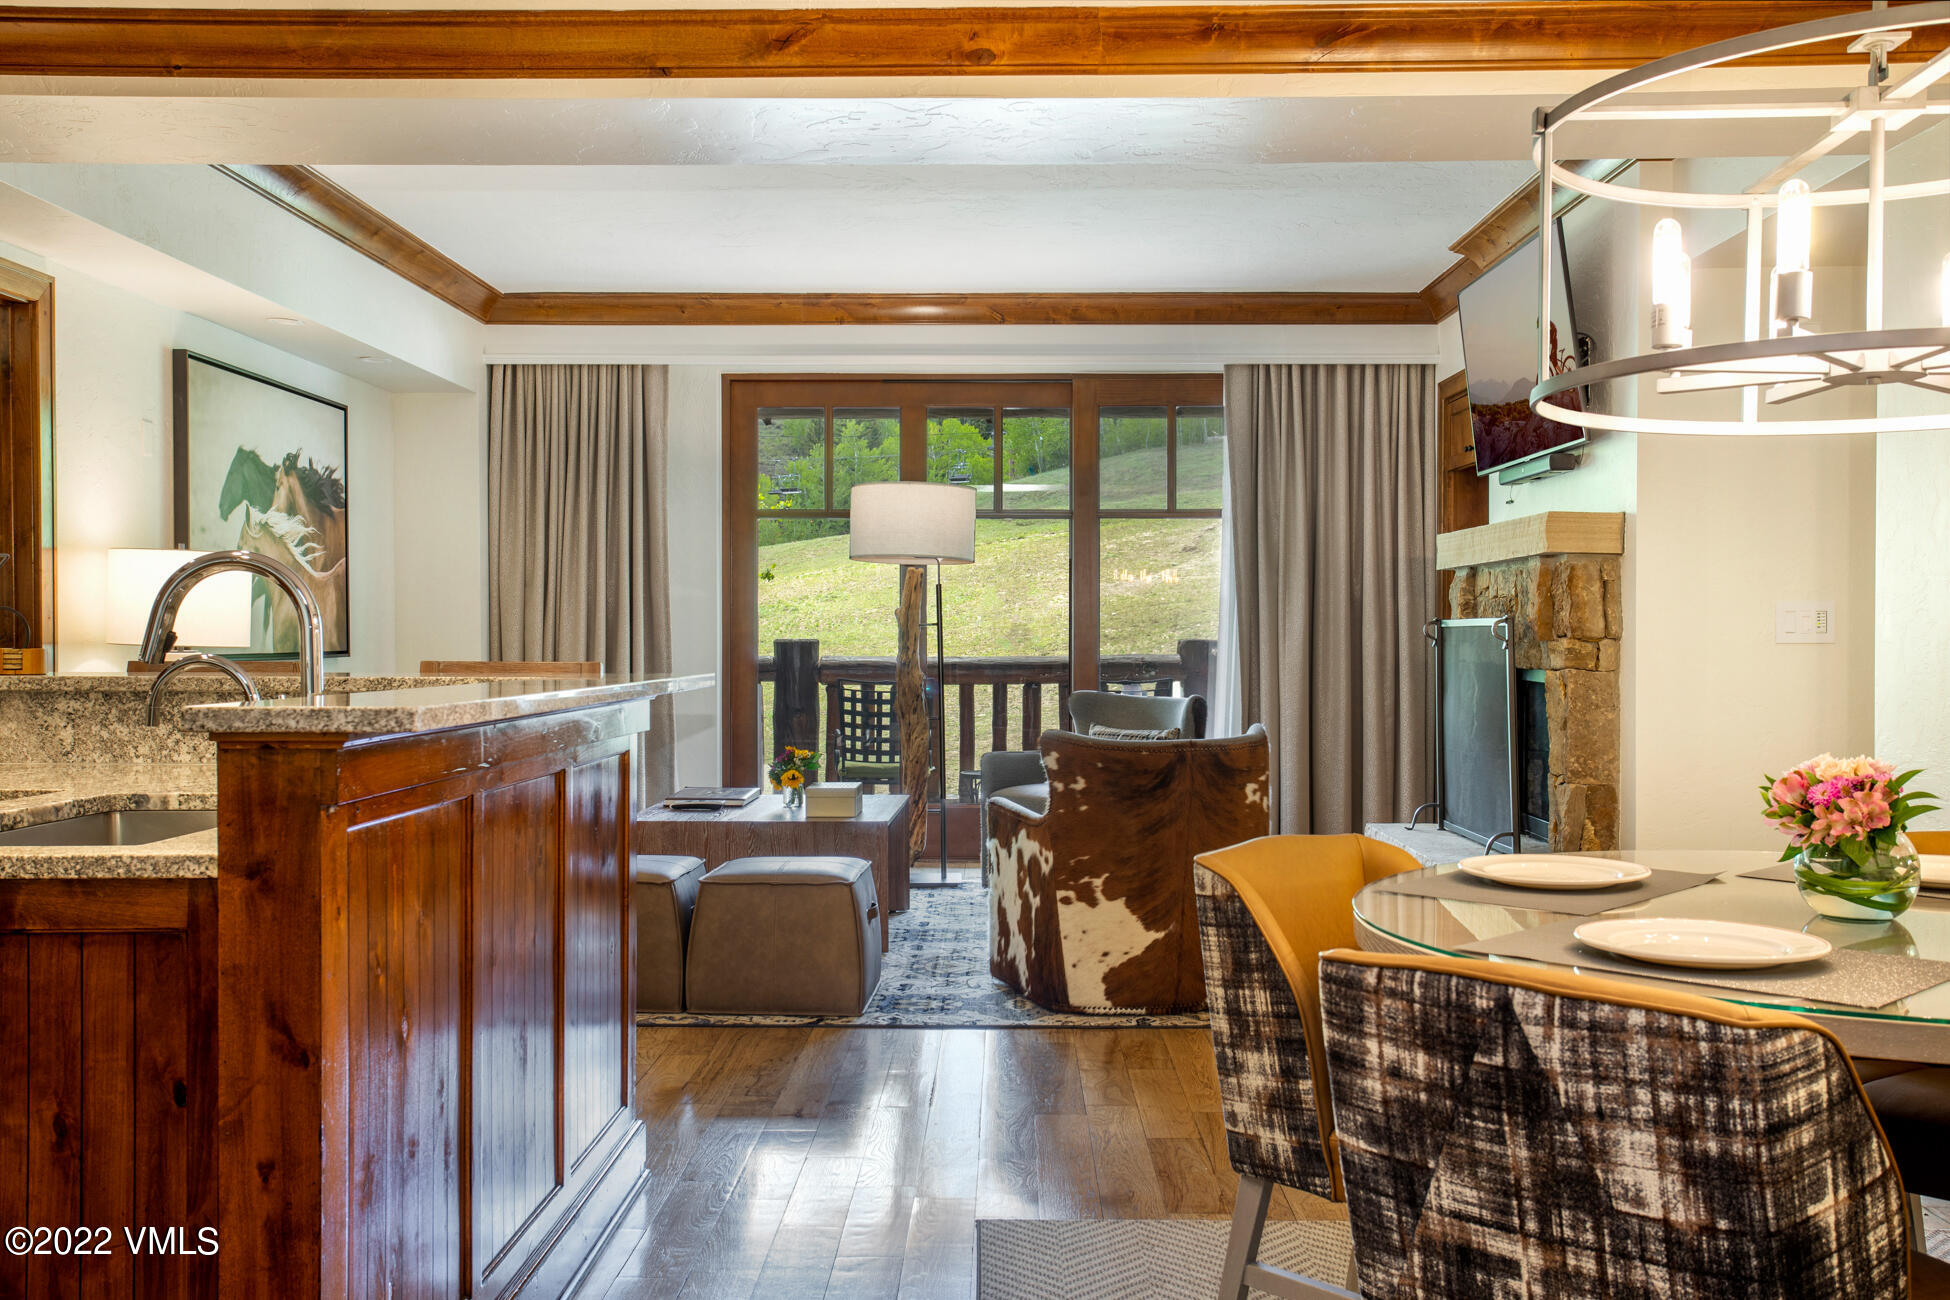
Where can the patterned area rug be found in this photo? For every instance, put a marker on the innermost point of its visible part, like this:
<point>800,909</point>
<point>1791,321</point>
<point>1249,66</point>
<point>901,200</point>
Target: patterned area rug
<point>1139,1259</point>
<point>935,975</point>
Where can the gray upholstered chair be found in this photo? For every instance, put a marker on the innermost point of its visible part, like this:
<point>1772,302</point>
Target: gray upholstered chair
<point>1511,1130</point>
<point>1092,907</point>
<point>1017,775</point>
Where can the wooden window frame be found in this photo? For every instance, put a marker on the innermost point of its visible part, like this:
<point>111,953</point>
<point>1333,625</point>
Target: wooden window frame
<point>27,462</point>
<point>743,395</point>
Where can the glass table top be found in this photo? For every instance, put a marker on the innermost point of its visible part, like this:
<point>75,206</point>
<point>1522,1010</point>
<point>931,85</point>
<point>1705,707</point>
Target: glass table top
<point>1444,925</point>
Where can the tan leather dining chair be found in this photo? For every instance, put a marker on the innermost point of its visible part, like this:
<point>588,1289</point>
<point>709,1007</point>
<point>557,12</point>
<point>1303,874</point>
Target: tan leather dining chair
<point>1507,1129</point>
<point>1267,909</point>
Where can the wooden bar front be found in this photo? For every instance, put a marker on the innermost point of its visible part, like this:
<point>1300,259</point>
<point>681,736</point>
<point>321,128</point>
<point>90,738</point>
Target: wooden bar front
<point>425,1008</point>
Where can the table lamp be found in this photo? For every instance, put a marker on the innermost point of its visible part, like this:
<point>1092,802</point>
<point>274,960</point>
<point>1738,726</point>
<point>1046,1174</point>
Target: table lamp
<point>920,524</point>
<point>216,613</point>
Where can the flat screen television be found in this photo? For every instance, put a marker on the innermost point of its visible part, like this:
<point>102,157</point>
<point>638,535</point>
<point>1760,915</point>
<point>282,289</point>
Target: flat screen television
<point>1499,336</point>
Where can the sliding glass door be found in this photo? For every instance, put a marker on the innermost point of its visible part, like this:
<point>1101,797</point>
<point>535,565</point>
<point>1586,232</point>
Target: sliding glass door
<point>1096,556</point>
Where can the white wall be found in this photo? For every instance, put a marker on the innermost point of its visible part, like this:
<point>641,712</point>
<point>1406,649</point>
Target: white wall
<point>1912,635</point>
<point>112,456</point>
<point>440,527</point>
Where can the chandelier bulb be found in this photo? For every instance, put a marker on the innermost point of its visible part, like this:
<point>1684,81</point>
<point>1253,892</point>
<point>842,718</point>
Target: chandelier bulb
<point>1794,280</point>
<point>1672,288</point>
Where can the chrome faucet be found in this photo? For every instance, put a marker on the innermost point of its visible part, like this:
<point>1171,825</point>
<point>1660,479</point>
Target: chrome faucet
<point>311,624</point>
<point>221,664</point>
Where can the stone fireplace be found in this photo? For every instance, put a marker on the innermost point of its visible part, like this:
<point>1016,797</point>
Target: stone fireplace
<point>1567,612</point>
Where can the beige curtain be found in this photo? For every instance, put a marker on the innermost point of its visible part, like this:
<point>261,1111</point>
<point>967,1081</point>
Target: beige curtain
<point>1331,520</point>
<point>578,557</point>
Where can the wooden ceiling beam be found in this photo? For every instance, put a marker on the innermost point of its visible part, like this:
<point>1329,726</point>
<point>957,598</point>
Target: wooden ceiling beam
<point>1410,36</point>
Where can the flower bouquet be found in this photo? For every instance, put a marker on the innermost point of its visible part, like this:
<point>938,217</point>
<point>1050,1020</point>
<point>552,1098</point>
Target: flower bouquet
<point>790,772</point>
<point>1844,819</point>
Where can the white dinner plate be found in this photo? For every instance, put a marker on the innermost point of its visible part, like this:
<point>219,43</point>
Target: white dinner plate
<point>1708,945</point>
<point>1936,870</point>
<point>1562,871</point>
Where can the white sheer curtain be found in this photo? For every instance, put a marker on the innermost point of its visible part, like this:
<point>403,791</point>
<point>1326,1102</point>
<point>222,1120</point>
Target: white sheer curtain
<point>1227,716</point>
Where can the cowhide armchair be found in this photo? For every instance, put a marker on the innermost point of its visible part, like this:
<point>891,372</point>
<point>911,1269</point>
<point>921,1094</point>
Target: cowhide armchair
<point>1018,774</point>
<point>1092,908</point>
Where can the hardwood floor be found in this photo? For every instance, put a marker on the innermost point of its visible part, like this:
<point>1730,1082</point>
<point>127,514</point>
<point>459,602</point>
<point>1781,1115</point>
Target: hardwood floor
<point>795,1162</point>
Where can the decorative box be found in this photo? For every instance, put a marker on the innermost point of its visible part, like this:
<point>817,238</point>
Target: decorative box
<point>833,799</point>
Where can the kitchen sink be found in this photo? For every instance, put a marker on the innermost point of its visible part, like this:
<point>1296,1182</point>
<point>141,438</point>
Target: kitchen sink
<point>142,827</point>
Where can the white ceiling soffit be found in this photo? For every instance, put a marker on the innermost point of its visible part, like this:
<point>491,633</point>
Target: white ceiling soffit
<point>1323,227</point>
<point>381,130</point>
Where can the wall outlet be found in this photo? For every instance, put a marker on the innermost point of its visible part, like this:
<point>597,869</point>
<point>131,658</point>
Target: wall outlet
<point>1804,623</point>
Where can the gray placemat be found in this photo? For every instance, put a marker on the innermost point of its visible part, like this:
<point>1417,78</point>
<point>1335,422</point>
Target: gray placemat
<point>1785,871</point>
<point>1571,902</point>
<point>1844,976</point>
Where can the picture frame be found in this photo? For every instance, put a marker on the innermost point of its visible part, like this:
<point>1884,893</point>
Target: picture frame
<point>260,465</point>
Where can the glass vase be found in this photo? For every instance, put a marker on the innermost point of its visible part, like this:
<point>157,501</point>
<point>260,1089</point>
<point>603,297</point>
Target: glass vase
<point>1834,885</point>
<point>795,797</point>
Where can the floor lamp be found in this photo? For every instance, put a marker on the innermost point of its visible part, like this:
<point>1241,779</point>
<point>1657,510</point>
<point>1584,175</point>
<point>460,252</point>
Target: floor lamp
<point>919,524</point>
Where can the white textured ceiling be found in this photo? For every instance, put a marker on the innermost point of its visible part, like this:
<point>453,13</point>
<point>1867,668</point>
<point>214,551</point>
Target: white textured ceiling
<point>921,228</point>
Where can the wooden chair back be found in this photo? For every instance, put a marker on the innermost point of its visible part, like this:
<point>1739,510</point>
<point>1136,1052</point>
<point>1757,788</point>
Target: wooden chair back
<point>511,668</point>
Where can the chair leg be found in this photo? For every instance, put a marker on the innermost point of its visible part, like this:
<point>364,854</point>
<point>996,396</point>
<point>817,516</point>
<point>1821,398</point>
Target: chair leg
<point>1248,1222</point>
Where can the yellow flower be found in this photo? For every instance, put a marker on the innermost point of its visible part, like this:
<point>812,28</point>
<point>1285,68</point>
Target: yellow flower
<point>802,753</point>
<point>775,787</point>
<point>793,778</point>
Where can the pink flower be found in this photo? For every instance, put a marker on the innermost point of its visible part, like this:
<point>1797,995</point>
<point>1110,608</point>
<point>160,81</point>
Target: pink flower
<point>1789,789</point>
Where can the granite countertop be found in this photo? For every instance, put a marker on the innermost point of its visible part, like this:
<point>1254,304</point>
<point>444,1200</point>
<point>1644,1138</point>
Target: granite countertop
<point>32,793</point>
<point>206,682</point>
<point>419,708</point>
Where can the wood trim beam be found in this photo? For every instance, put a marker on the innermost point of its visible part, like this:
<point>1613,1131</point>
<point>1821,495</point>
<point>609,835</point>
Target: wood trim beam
<point>352,221</point>
<point>1412,36</point>
<point>961,309</point>
<point>1508,224</point>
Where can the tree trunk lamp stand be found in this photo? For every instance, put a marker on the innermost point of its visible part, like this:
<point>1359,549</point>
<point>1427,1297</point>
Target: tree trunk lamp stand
<point>918,524</point>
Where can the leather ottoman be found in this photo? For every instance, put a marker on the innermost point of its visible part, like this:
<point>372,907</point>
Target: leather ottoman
<point>785,936</point>
<point>663,893</point>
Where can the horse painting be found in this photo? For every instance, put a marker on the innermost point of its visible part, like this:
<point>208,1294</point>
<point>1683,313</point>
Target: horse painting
<point>294,512</point>
<point>292,542</point>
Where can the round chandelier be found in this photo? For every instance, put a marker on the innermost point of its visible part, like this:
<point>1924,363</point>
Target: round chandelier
<point>1782,356</point>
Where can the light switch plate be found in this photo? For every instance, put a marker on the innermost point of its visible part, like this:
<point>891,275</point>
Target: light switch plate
<point>1804,623</point>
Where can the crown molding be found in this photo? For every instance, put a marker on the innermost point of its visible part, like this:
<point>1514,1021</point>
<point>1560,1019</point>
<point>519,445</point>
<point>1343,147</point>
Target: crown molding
<point>312,198</point>
<point>1130,40</point>
<point>960,309</point>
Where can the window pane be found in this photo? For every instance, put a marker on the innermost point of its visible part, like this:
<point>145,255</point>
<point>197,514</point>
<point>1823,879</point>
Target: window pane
<point>791,459</point>
<point>961,449</point>
<point>1011,609</point>
<point>866,449</point>
<point>1201,456</point>
<point>807,587</point>
<point>1131,445</point>
<point>1158,585</point>
<point>1035,460</point>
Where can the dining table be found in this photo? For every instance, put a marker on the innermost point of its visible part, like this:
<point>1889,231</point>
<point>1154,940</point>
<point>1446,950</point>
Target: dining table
<point>1389,917</point>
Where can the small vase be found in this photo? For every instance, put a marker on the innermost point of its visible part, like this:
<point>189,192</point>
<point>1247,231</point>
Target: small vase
<point>795,797</point>
<point>1833,885</point>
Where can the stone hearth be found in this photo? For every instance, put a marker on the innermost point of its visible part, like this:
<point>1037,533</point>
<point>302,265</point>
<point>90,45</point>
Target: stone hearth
<point>1568,615</point>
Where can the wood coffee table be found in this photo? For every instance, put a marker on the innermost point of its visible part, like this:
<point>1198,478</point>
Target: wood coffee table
<point>767,828</point>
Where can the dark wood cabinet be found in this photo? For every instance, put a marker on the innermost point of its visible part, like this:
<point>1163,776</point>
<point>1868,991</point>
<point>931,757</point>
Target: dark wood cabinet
<point>428,975</point>
<point>107,1030</point>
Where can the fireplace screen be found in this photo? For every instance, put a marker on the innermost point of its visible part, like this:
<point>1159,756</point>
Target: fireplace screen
<point>1477,684</point>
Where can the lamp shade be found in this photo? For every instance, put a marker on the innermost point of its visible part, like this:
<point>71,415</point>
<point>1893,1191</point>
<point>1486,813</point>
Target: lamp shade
<point>217,612</point>
<point>912,523</point>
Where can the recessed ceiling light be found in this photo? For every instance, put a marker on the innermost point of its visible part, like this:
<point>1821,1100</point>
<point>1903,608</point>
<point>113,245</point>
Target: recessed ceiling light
<point>289,322</point>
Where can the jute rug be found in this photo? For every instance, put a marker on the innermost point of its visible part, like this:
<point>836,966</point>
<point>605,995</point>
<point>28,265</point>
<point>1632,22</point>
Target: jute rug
<point>1139,1259</point>
<point>935,975</point>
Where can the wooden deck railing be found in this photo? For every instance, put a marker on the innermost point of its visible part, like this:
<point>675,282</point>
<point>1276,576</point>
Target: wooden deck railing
<point>1015,690</point>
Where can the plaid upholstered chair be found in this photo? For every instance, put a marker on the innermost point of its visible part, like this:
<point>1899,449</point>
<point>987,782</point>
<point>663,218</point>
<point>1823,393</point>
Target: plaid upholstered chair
<point>1514,1131</point>
<point>1267,909</point>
